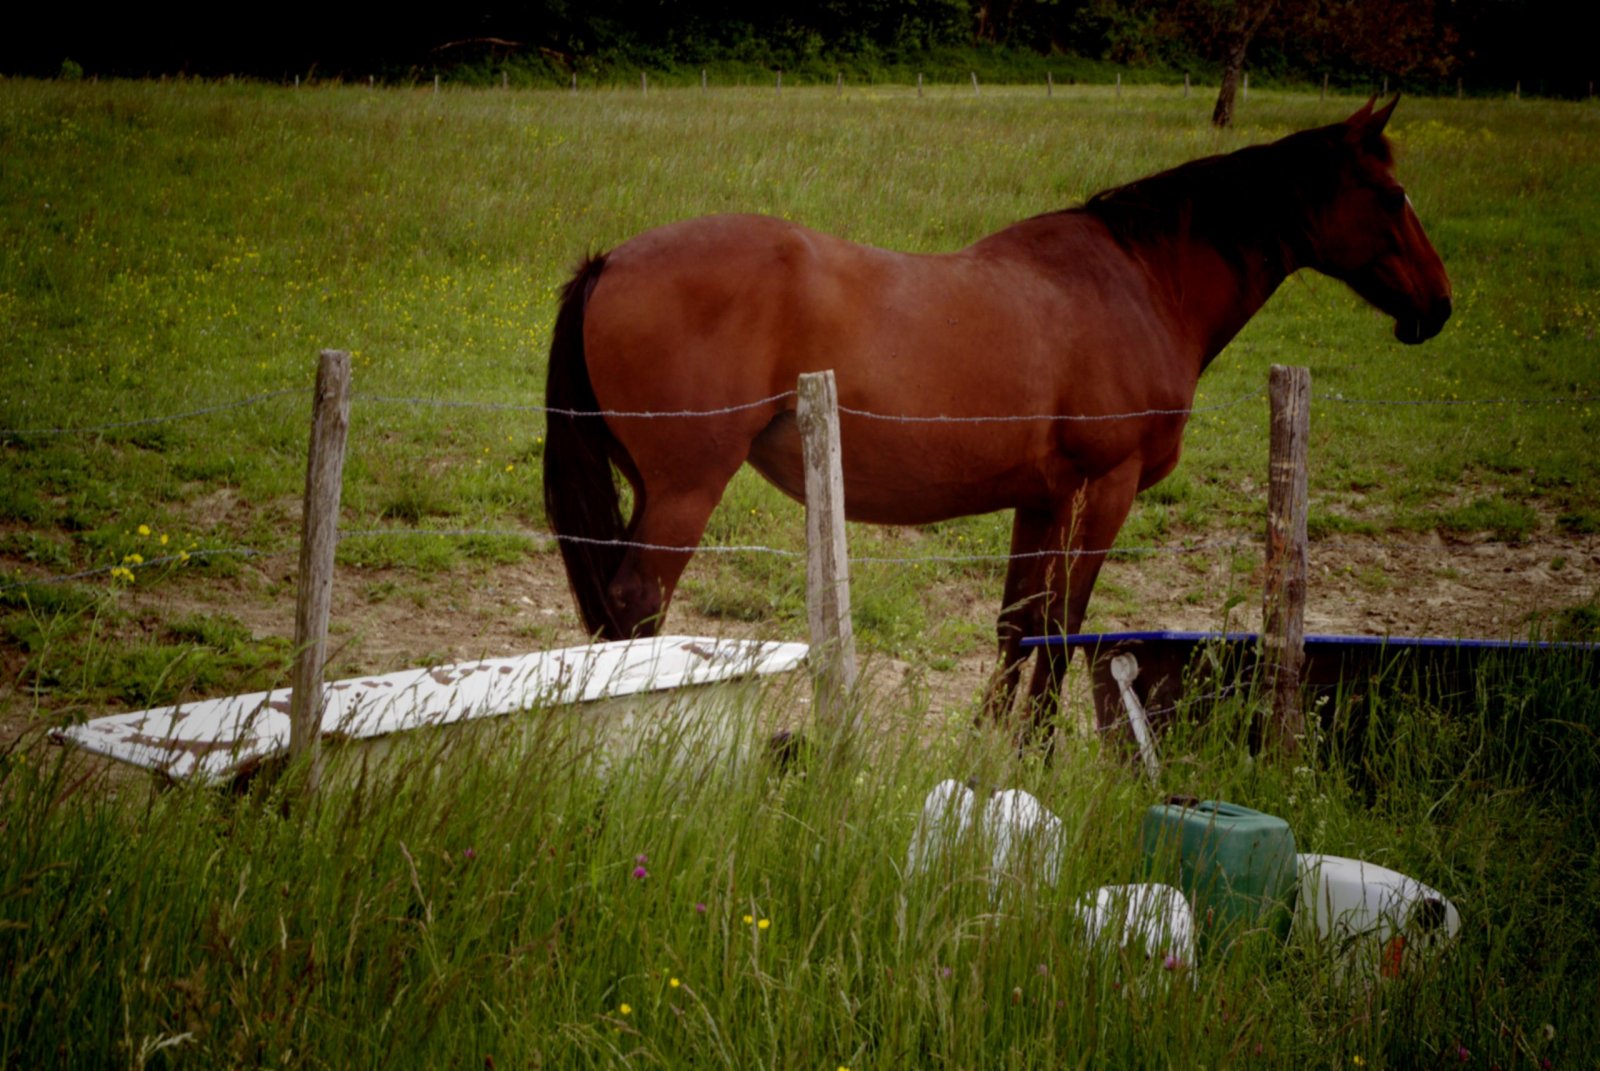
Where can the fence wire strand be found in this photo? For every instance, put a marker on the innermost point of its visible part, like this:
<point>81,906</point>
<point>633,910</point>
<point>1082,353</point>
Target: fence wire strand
<point>714,548</point>
<point>867,414</point>
<point>955,559</point>
<point>1071,418</point>
<point>1446,402</point>
<point>660,414</point>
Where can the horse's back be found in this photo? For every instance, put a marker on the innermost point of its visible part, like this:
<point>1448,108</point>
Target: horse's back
<point>721,311</point>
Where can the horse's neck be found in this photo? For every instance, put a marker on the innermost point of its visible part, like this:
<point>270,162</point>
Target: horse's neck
<point>1211,295</point>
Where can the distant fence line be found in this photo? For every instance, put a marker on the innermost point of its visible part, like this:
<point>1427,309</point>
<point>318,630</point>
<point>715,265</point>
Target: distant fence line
<point>956,84</point>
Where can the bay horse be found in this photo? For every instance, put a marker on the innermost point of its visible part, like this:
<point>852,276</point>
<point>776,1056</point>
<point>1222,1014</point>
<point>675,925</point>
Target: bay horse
<point>674,359</point>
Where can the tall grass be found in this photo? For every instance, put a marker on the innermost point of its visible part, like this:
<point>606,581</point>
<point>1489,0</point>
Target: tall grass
<point>525,898</point>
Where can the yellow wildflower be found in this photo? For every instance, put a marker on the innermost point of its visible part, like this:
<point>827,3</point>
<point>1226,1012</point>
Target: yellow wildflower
<point>144,529</point>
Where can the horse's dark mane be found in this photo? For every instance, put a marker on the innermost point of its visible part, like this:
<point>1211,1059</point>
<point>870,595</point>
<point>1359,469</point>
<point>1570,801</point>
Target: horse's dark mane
<point>1256,201</point>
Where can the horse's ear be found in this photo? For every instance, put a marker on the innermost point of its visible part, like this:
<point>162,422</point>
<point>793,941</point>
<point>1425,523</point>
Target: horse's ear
<point>1366,126</point>
<point>1380,118</point>
<point>1359,119</point>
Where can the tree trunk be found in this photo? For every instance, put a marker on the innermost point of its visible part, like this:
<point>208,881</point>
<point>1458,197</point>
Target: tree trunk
<point>1232,67</point>
<point>1247,19</point>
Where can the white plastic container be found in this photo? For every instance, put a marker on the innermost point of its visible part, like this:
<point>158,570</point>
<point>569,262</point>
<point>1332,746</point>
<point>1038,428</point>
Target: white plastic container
<point>1377,919</point>
<point>1155,919</point>
<point>1023,837</point>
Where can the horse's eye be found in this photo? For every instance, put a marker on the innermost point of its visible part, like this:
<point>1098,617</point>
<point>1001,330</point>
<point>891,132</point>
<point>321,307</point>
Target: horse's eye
<point>1393,198</point>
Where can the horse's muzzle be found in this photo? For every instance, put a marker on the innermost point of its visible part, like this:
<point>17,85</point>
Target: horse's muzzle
<point>1414,329</point>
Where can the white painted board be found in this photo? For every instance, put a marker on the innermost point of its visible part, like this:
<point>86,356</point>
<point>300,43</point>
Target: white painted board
<point>212,738</point>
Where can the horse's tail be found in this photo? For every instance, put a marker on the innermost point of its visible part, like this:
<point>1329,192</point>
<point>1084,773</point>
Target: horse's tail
<point>580,494</point>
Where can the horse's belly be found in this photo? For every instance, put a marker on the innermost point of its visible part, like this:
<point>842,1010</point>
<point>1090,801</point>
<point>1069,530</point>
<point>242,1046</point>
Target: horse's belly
<point>899,479</point>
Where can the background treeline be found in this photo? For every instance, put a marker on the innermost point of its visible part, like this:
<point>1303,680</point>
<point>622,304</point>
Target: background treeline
<point>1490,45</point>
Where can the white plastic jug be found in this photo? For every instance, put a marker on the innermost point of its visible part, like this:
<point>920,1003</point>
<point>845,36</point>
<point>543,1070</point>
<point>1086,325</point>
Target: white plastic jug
<point>1023,836</point>
<point>1375,917</point>
<point>1156,918</point>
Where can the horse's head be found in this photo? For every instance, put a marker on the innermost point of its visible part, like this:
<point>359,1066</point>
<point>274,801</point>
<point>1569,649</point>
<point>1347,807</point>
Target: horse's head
<point>1368,236</point>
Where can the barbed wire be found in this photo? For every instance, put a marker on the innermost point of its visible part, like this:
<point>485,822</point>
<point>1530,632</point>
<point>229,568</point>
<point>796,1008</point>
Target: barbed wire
<point>713,548</point>
<point>630,414</point>
<point>1341,399</point>
<point>634,414</point>
<point>550,539</point>
<point>95,429</point>
<point>1087,418</point>
<point>868,414</point>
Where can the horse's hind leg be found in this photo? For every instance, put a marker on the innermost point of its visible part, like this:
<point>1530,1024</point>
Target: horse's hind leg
<point>667,524</point>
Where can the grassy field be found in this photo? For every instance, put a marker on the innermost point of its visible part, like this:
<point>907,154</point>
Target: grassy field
<point>174,248</point>
<point>171,248</point>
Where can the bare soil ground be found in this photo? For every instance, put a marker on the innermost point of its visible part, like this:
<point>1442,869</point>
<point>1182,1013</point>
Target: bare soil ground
<point>388,619</point>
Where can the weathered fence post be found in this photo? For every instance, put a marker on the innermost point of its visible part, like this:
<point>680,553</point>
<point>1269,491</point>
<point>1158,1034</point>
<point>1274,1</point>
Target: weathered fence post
<point>833,642</point>
<point>974,83</point>
<point>1185,83</point>
<point>1049,85</point>
<point>1284,602</point>
<point>319,534</point>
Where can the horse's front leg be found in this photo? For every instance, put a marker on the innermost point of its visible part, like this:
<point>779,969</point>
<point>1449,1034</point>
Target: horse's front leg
<point>1086,526</point>
<point>1021,612</point>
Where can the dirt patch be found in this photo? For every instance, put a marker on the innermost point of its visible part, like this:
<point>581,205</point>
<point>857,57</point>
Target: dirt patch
<point>385,619</point>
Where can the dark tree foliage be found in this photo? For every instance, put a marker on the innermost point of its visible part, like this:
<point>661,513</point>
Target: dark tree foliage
<point>1488,43</point>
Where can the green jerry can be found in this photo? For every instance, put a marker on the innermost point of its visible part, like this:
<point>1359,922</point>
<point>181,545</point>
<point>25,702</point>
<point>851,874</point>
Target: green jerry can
<point>1236,865</point>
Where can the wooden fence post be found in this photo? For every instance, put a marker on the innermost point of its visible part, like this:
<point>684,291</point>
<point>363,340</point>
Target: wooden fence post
<point>833,642</point>
<point>1284,602</point>
<point>319,534</point>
